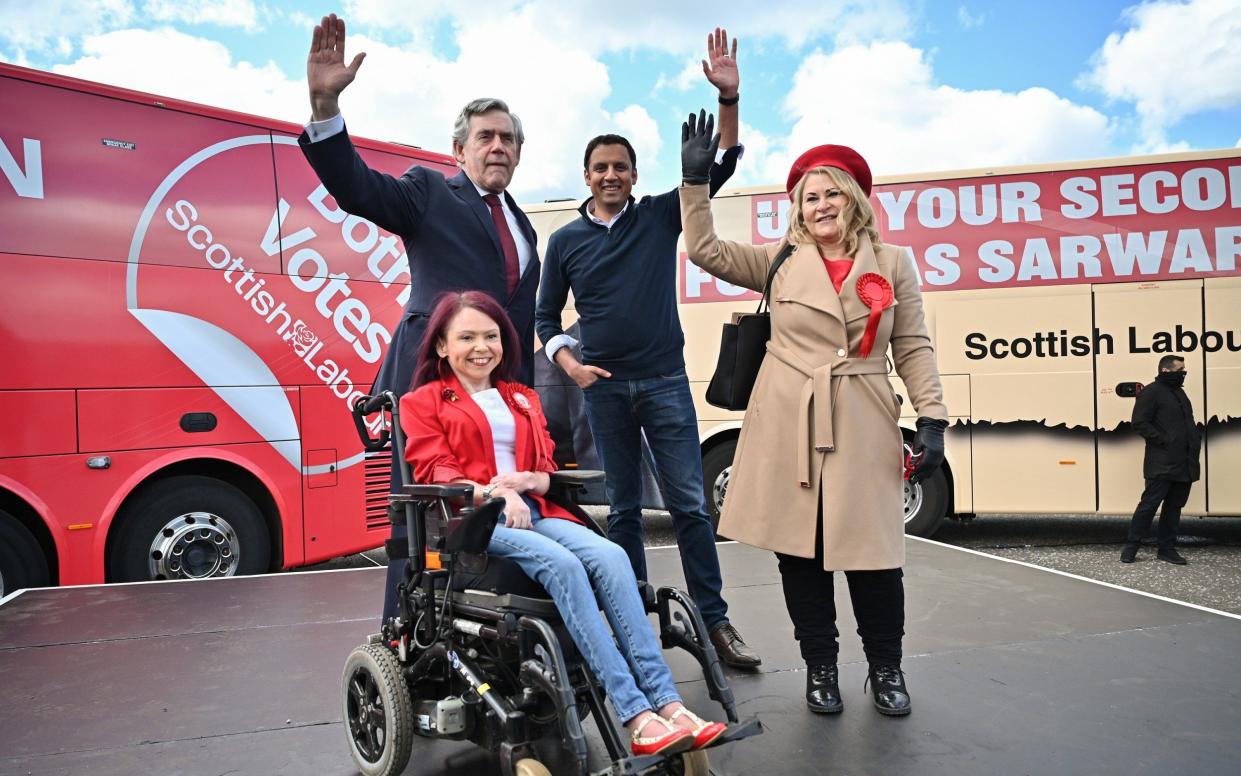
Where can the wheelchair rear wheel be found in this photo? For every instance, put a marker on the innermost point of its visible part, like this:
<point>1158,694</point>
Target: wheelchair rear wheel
<point>378,711</point>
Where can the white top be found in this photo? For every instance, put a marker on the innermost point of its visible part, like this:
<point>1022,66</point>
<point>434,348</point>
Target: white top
<point>322,130</point>
<point>503,428</point>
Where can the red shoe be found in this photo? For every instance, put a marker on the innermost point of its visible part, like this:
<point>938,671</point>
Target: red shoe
<point>704,732</point>
<point>673,741</point>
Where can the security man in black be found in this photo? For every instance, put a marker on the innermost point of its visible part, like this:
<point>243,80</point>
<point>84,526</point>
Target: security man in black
<point>1164,417</point>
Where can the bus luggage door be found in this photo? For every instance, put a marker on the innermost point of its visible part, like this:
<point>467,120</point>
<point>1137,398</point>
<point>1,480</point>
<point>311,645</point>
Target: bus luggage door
<point>1142,321</point>
<point>1221,460</point>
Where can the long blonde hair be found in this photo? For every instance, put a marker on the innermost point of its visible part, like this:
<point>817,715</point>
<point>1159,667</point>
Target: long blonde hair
<point>854,218</point>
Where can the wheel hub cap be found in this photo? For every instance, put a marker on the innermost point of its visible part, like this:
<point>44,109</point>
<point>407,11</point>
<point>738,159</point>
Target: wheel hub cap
<point>913,500</point>
<point>195,545</point>
<point>366,715</point>
<point>719,488</point>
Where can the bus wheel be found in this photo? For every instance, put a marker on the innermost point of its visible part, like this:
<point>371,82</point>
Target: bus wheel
<point>717,464</point>
<point>926,505</point>
<point>22,563</point>
<point>189,527</point>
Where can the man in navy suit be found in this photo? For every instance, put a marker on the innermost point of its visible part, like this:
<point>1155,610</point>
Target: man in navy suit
<point>460,233</point>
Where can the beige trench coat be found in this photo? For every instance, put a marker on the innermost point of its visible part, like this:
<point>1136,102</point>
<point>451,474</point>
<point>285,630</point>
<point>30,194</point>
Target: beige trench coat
<point>818,414</point>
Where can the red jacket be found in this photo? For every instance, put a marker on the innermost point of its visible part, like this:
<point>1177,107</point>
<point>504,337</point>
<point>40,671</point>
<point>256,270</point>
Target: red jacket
<point>447,436</point>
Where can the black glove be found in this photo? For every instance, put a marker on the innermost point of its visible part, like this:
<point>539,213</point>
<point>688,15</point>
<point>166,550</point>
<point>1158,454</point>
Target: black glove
<point>929,441</point>
<point>698,148</point>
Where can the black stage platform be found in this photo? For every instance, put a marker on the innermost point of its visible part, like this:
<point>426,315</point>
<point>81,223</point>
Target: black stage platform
<point>1013,670</point>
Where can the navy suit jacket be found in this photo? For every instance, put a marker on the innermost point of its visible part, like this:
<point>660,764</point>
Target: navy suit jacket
<point>450,239</point>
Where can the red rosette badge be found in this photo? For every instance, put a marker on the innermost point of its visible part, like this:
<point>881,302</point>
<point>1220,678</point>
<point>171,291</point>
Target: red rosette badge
<point>518,400</point>
<point>876,293</point>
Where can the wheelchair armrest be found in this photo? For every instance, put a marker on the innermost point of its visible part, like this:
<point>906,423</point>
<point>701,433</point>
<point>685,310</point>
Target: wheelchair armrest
<point>433,492</point>
<point>471,532</point>
<point>575,478</point>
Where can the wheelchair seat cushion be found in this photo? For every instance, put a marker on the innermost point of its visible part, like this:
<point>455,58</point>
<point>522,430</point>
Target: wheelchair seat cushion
<point>502,575</point>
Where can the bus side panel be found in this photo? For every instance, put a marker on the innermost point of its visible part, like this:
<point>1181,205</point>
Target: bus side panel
<point>98,162</point>
<point>1144,320</point>
<point>341,517</point>
<point>1222,460</point>
<point>37,423</point>
<point>66,322</point>
<point>143,418</point>
<point>1029,404</point>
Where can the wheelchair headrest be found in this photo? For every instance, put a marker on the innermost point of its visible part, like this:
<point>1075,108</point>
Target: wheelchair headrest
<point>472,531</point>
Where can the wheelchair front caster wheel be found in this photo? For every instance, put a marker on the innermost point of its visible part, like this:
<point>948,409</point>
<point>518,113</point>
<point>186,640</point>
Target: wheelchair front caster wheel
<point>530,767</point>
<point>378,712</point>
<point>693,764</point>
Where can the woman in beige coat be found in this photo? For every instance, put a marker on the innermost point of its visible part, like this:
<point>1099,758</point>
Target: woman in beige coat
<point>817,475</point>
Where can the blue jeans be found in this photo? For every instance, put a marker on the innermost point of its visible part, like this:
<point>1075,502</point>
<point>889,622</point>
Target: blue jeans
<point>583,573</point>
<point>619,412</point>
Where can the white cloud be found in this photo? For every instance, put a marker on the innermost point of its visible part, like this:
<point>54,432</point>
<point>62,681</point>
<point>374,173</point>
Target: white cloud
<point>53,25</point>
<point>654,24</point>
<point>205,73</point>
<point>968,20</point>
<point>224,13</point>
<point>640,130</point>
<point>1177,58</point>
<point>689,77</point>
<point>902,121</point>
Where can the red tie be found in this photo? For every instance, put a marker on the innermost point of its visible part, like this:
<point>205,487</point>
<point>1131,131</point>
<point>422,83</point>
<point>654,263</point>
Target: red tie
<point>512,269</point>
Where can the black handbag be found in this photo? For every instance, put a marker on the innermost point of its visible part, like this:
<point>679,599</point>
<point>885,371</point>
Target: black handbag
<point>743,343</point>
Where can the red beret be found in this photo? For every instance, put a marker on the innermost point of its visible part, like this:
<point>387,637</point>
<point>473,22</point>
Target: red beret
<point>838,156</point>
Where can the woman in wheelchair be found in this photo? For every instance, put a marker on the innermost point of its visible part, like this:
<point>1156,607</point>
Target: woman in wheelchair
<point>467,421</point>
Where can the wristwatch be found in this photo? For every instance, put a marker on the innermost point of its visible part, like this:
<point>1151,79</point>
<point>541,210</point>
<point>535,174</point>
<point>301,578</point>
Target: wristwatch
<point>487,492</point>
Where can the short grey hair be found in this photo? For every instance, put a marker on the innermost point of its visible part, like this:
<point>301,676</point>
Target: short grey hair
<point>461,129</point>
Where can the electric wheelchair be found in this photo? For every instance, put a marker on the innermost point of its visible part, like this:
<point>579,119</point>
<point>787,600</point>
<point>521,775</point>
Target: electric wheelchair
<point>478,652</point>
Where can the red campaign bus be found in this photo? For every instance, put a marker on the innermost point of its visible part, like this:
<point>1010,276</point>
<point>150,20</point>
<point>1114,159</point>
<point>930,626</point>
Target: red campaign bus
<point>186,317</point>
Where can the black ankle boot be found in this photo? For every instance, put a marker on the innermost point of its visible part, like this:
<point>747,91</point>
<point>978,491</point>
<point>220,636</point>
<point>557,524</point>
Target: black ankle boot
<point>822,690</point>
<point>887,684</point>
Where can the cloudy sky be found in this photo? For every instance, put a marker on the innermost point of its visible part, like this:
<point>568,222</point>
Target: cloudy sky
<point>914,85</point>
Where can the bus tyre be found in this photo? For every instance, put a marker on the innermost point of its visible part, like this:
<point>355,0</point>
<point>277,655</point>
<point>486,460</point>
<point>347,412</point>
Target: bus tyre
<point>926,505</point>
<point>22,563</point>
<point>717,464</point>
<point>378,711</point>
<point>189,527</point>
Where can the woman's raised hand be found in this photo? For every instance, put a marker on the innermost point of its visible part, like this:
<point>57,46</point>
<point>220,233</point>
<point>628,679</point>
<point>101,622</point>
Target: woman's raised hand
<point>698,147</point>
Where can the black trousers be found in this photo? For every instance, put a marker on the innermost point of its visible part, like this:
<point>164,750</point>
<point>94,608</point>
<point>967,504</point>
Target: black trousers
<point>1173,495</point>
<point>878,599</point>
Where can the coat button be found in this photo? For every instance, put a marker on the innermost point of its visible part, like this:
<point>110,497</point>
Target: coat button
<point>841,352</point>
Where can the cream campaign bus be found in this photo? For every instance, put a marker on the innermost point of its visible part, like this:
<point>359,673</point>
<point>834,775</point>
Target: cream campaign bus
<point>1051,292</point>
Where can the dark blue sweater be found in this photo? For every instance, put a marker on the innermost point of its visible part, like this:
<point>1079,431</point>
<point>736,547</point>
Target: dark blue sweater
<point>624,283</point>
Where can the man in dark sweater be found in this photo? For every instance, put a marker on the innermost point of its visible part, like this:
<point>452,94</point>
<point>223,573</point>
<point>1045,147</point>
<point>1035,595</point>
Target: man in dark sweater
<point>1164,417</point>
<point>619,260</point>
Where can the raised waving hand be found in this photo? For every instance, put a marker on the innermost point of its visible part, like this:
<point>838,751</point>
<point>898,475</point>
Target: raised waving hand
<point>720,66</point>
<point>327,75</point>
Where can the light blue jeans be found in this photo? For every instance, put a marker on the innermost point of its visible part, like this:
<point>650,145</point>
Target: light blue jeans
<point>583,573</point>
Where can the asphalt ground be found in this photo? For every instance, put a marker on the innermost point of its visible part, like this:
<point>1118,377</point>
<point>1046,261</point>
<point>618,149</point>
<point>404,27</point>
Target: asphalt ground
<point>1086,545</point>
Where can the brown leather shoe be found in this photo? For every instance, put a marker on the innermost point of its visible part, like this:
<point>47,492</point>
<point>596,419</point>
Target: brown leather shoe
<point>732,648</point>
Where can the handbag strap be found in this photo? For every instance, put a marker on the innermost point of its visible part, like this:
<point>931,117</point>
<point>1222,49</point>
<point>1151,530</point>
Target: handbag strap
<point>771,274</point>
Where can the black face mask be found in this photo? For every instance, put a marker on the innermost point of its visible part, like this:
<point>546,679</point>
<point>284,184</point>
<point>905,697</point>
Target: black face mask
<point>1172,379</point>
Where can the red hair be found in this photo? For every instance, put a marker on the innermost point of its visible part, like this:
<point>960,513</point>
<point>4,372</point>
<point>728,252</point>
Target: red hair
<point>431,367</point>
